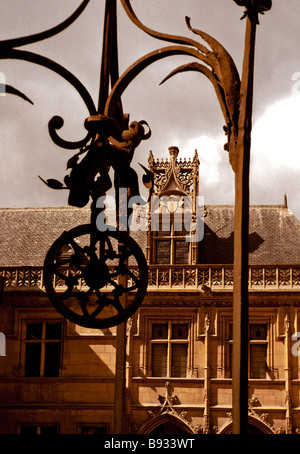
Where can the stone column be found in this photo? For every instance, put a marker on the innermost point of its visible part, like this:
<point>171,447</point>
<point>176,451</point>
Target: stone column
<point>207,376</point>
<point>288,390</point>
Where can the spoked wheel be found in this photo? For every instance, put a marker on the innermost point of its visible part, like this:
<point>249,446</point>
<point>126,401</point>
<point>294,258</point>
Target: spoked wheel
<point>87,276</point>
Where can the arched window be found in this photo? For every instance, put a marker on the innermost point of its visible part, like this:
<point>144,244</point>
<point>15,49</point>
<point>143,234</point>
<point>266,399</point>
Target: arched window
<point>255,426</point>
<point>166,424</point>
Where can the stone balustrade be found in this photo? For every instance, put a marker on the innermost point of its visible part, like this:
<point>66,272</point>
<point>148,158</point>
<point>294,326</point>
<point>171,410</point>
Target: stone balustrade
<point>216,277</point>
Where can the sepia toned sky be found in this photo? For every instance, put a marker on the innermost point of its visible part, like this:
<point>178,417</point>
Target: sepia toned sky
<point>183,112</point>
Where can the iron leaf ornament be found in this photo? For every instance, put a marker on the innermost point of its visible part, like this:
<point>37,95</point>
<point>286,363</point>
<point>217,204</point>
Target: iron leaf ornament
<point>4,88</point>
<point>9,49</point>
<point>259,5</point>
<point>216,64</point>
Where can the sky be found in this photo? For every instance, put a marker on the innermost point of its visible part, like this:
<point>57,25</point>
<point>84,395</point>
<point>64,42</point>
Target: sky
<point>182,112</point>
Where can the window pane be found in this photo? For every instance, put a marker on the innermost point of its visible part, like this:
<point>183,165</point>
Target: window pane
<point>163,233</point>
<point>52,359</point>
<point>28,430</point>
<point>179,331</point>
<point>180,228</point>
<point>160,228</point>
<point>34,331</point>
<point>159,360</point>
<point>182,251</point>
<point>164,229</point>
<point>32,359</point>
<point>53,331</point>
<point>94,430</point>
<point>163,249</point>
<point>48,430</point>
<point>160,331</point>
<point>258,361</point>
<point>230,350</point>
<point>179,360</point>
<point>258,332</point>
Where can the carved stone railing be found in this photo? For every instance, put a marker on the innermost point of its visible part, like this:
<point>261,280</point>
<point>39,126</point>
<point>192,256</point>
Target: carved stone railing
<point>221,276</point>
<point>21,277</point>
<point>216,277</point>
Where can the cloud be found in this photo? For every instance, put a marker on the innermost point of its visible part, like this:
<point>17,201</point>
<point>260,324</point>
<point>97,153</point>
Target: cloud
<point>216,178</point>
<point>209,150</point>
<point>276,136</point>
<point>275,161</point>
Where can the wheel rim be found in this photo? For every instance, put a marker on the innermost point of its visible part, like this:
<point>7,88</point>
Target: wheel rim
<point>86,276</point>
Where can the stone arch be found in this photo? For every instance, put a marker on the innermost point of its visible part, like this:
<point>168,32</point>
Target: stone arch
<point>166,424</point>
<point>256,426</point>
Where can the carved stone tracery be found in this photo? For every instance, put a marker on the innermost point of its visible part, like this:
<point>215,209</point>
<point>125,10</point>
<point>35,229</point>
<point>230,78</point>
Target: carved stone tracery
<point>166,408</point>
<point>175,175</point>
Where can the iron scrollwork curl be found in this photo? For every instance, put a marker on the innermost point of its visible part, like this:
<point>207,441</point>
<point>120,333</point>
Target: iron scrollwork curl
<point>8,51</point>
<point>111,141</point>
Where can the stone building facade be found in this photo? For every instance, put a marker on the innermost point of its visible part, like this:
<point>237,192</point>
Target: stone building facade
<point>59,377</point>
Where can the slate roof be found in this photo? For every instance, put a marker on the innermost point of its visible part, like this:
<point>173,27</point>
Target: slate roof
<point>27,233</point>
<point>274,234</point>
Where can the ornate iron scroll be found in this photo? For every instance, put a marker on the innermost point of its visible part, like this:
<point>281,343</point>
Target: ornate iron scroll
<point>83,253</point>
<point>111,142</point>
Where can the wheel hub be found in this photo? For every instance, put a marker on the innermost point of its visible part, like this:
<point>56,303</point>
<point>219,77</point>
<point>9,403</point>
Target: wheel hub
<point>96,274</point>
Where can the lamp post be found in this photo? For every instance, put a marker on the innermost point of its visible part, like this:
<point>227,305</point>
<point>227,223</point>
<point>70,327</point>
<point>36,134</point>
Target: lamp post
<point>241,164</point>
<point>240,292</point>
<point>236,98</point>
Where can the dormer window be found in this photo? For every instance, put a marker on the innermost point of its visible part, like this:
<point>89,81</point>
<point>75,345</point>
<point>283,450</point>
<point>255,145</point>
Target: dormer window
<point>171,238</point>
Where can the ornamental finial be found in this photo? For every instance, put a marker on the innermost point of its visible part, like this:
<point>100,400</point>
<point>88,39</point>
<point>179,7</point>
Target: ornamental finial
<point>253,7</point>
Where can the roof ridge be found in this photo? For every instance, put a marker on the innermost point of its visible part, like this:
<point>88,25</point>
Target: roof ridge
<point>42,208</point>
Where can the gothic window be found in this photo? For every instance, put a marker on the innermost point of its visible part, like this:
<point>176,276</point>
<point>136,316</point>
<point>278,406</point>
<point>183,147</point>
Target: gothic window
<point>38,430</point>
<point>229,350</point>
<point>257,356</point>
<point>258,350</point>
<point>170,245</point>
<point>43,349</point>
<point>94,430</point>
<point>169,349</point>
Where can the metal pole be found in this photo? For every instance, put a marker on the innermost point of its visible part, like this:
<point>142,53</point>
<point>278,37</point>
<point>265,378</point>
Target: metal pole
<point>109,75</point>
<point>109,63</point>
<point>121,338</point>
<point>119,403</point>
<point>241,231</point>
